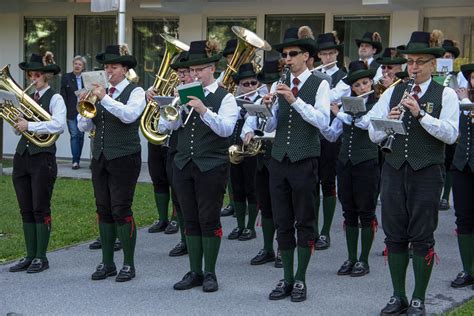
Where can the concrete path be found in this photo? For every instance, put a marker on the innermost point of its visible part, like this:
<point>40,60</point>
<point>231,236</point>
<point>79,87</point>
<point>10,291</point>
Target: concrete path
<point>66,288</point>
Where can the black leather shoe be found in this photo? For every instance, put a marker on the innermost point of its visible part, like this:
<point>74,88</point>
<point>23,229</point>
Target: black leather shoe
<point>278,263</point>
<point>172,228</point>
<point>395,306</point>
<point>248,234</point>
<point>323,242</point>
<point>283,289</point>
<point>38,265</point>
<point>227,211</point>
<point>462,279</point>
<point>444,205</point>
<point>21,265</point>
<point>346,268</point>
<point>263,257</point>
<point>210,282</point>
<point>360,269</point>
<point>126,274</point>
<point>235,234</point>
<point>117,245</point>
<point>417,307</point>
<point>298,294</point>
<point>190,280</point>
<point>102,272</point>
<point>96,244</point>
<point>179,250</point>
<point>158,226</point>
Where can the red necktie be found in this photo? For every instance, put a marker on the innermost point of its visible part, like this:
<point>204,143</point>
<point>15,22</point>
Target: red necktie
<point>296,82</point>
<point>36,97</point>
<point>111,91</point>
<point>416,90</point>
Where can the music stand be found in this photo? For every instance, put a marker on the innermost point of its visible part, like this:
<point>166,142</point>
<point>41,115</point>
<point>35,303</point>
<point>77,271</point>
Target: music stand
<point>353,105</point>
<point>388,126</point>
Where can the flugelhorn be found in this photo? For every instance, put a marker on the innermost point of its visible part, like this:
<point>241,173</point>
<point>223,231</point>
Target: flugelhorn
<point>237,153</point>
<point>86,105</point>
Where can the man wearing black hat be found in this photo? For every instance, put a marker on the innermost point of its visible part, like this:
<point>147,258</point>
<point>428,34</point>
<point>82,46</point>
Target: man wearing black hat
<point>370,45</point>
<point>201,164</point>
<point>413,174</point>
<point>302,107</point>
<point>390,66</point>
<point>116,159</point>
<point>34,167</point>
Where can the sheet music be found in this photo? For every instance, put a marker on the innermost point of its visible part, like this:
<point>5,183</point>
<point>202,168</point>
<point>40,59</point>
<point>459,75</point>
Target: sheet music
<point>94,77</point>
<point>444,65</point>
<point>259,110</point>
<point>384,125</point>
<point>9,98</point>
<point>353,105</point>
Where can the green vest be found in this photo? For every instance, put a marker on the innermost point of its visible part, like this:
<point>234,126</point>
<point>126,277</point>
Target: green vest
<point>464,154</point>
<point>24,143</point>
<point>198,142</point>
<point>419,148</point>
<point>295,137</point>
<point>114,138</point>
<point>356,145</point>
<point>336,77</point>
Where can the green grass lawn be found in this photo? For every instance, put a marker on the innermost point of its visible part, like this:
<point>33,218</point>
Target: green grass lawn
<point>73,214</point>
<point>466,309</point>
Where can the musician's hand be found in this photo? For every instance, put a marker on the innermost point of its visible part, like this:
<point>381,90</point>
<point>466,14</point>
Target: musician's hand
<point>150,94</point>
<point>21,125</point>
<point>394,113</point>
<point>197,104</point>
<point>412,105</point>
<point>387,81</point>
<point>462,93</point>
<point>286,92</point>
<point>98,91</point>
<point>248,138</point>
<point>267,99</point>
<point>334,108</point>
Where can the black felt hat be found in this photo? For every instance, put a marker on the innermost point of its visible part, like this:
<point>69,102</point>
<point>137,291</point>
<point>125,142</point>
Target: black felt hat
<point>420,43</point>
<point>387,59</point>
<point>270,72</point>
<point>229,47</point>
<point>298,36</point>
<point>357,70</point>
<point>245,71</point>
<point>203,52</point>
<point>372,38</point>
<point>449,46</point>
<point>466,71</point>
<point>327,41</point>
<point>41,63</point>
<point>180,61</point>
<point>116,54</point>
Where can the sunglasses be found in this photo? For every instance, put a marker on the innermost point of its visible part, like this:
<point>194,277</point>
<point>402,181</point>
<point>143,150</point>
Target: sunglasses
<point>419,62</point>
<point>249,83</point>
<point>292,53</point>
<point>386,67</point>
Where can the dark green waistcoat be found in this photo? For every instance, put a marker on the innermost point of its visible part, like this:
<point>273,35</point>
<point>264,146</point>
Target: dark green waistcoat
<point>295,137</point>
<point>336,77</point>
<point>356,145</point>
<point>24,143</point>
<point>419,148</point>
<point>114,138</point>
<point>464,153</point>
<point>199,143</point>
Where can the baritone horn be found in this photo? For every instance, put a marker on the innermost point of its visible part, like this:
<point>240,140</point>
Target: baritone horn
<point>237,153</point>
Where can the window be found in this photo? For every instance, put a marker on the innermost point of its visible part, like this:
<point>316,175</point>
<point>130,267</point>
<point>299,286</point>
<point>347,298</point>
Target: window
<point>149,46</point>
<point>459,29</point>
<point>276,25</point>
<point>349,28</point>
<point>47,34</point>
<point>92,35</point>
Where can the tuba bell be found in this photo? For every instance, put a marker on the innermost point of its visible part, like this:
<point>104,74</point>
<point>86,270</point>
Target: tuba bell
<point>165,82</point>
<point>29,109</point>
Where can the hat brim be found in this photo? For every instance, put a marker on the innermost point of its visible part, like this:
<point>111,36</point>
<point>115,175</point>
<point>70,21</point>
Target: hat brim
<point>179,64</point>
<point>307,44</point>
<point>391,61</point>
<point>437,52</point>
<point>246,74</point>
<point>126,60</point>
<point>453,50</point>
<point>376,45</point>
<point>321,48</point>
<point>356,75</point>
<point>53,68</point>
<point>402,74</point>
<point>228,51</point>
<point>467,70</point>
<point>268,78</point>
<point>201,61</point>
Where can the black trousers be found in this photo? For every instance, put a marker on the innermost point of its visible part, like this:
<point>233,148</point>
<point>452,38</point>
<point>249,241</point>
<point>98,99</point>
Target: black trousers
<point>262,185</point>
<point>410,202</point>
<point>169,172</point>
<point>357,188</point>
<point>33,179</point>
<point>200,195</point>
<point>157,156</point>
<point>114,184</point>
<point>292,186</point>
<point>327,167</point>
<point>242,177</point>
<point>463,196</point>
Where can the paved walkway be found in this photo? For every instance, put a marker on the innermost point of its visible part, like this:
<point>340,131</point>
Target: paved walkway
<point>66,287</point>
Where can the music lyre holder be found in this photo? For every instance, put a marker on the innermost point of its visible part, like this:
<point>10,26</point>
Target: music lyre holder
<point>389,126</point>
<point>353,105</point>
<point>262,112</point>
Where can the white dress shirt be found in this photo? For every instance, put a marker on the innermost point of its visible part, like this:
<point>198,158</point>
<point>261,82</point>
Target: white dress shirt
<point>462,82</point>
<point>222,123</point>
<point>340,90</point>
<point>444,128</point>
<point>316,115</point>
<point>127,113</point>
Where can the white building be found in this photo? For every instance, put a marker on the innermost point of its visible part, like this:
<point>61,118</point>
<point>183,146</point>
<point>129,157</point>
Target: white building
<point>68,28</point>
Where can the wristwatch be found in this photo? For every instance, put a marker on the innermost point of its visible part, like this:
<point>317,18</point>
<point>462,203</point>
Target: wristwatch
<point>420,115</point>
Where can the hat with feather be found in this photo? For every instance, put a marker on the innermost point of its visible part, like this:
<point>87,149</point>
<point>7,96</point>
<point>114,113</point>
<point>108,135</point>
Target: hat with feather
<point>424,43</point>
<point>117,54</point>
<point>40,63</point>
<point>372,38</point>
<point>452,47</point>
<point>203,52</point>
<point>298,36</point>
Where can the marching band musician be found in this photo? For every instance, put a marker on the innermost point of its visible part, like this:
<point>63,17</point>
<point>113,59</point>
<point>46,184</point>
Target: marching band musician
<point>358,172</point>
<point>201,164</point>
<point>116,159</point>
<point>368,46</point>
<point>413,175</point>
<point>302,107</point>
<point>34,167</point>
<point>463,183</point>
<point>390,65</point>
<point>242,175</point>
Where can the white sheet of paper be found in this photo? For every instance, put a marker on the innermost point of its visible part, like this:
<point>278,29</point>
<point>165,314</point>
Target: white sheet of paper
<point>383,125</point>
<point>259,110</point>
<point>94,77</point>
<point>353,105</point>
<point>444,65</point>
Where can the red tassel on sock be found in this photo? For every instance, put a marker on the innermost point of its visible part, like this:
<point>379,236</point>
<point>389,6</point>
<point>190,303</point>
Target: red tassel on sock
<point>259,219</point>
<point>47,221</point>
<point>311,245</point>
<point>431,254</point>
<point>129,219</point>
<point>218,232</point>
<point>375,227</point>
<point>385,255</point>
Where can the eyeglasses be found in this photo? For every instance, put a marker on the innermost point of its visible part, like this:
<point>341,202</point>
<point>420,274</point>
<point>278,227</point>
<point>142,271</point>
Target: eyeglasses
<point>386,67</point>
<point>249,83</point>
<point>419,62</point>
<point>292,53</point>
<point>328,53</point>
<point>198,70</point>
<point>183,72</point>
